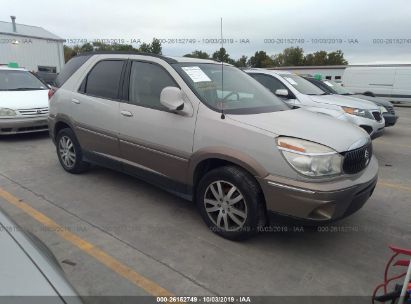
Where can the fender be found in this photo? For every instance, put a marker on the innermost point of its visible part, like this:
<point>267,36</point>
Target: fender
<point>237,157</point>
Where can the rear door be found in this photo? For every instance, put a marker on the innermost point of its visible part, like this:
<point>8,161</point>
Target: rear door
<point>96,107</point>
<point>152,137</point>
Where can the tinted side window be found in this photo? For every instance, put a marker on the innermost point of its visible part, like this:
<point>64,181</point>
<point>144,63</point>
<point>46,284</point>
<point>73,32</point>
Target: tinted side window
<point>269,82</point>
<point>70,68</point>
<point>104,79</point>
<point>147,80</point>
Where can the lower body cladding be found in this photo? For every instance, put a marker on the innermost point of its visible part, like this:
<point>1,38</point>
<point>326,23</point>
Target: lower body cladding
<point>19,125</point>
<point>318,202</point>
<point>390,119</point>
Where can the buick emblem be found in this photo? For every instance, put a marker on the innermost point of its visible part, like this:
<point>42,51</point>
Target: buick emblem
<point>38,111</point>
<point>367,156</point>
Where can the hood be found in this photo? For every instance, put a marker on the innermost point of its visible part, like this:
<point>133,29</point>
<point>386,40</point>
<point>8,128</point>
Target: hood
<point>377,100</point>
<point>317,127</point>
<point>344,101</point>
<point>24,99</point>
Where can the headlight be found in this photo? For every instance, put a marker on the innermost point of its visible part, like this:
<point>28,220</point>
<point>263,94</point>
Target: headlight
<point>7,112</point>
<point>354,111</point>
<point>383,110</point>
<point>308,158</point>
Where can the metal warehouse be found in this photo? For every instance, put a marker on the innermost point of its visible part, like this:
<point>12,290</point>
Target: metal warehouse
<point>30,47</point>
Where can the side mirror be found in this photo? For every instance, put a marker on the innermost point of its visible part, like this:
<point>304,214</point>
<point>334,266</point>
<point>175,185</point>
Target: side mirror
<point>172,98</point>
<point>282,93</point>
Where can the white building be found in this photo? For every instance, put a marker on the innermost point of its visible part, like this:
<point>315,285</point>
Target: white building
<point>31,47</point>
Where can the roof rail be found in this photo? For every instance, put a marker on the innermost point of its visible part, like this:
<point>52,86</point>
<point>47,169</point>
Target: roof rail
<point>167,59</point>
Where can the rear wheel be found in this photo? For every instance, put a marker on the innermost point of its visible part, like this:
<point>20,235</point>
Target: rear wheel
<point>230,202</point>
<point>69,152</point>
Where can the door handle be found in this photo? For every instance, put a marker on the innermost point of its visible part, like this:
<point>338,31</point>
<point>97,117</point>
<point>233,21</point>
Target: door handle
<point>76,101</point>
<point>126,113</point>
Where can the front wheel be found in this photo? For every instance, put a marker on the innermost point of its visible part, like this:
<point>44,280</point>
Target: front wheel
<point>230,202</point>
<point>69,152</point>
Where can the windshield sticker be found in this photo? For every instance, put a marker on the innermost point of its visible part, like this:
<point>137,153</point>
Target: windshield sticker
<point>290,80</point>
<point>328,83</point>
<point>196,74</point>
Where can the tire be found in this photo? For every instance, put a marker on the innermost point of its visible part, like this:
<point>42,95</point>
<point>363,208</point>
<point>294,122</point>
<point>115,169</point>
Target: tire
<point>229,215</point>
<point>69,152</point>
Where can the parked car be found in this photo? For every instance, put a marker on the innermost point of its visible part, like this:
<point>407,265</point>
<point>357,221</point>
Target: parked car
<point>23,102</point>
<point>386,107</point>
<point>390,81</point>
<point>29,269</point>
<point>212,134</point>
<point>299,92</point>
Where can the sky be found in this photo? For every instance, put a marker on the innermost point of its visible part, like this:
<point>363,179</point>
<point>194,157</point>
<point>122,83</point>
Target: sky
<point>364,30</point>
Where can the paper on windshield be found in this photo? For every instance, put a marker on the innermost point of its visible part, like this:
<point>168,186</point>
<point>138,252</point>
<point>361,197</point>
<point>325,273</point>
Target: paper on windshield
<point>196,74</point>
<point>290,80</point>
<point>328,83</point>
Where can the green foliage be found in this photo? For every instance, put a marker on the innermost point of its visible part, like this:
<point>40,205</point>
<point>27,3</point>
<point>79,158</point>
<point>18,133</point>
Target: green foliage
<point>336,58</point>
<point>260,60</point>
<point>154,48</point>
<point>198,54</point>
<point>222,56</point>
<point>242,62</point>
<point>293,56</point>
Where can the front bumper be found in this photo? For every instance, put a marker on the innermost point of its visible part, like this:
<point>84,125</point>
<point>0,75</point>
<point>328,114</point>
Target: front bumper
<point>372,127</point>
<point>19,125</point>
<point>320,201</point>
<point>390,119</point>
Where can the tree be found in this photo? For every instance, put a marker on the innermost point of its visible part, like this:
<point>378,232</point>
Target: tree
<point>242,62</point>
<point>260,60</point>
<point>68,53</point>
<point>156,47</point>
<point>317,58</point>
<point>153,48</point>
<point>289,57</point>
<point>222,56</point>
<point>336,58</point>
<point>198,54</point>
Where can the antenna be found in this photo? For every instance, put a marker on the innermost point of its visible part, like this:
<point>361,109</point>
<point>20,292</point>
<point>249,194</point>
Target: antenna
<point>222,70</point>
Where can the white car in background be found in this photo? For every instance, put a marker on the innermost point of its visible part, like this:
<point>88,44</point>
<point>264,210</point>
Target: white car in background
<point>299,92</point>
<point>23,102</point>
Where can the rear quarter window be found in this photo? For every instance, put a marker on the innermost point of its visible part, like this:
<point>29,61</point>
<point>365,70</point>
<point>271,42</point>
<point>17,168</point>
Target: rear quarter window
<point>104,79</point>
<point>70,68</point>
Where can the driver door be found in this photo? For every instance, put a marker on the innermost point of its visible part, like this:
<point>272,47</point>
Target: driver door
<point>152,137</point>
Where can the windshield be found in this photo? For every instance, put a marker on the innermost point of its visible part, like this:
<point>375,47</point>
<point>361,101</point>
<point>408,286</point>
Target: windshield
<point>302,85</point>
<point>338,88</point>
<point>235,91</point>
<point>19,80</point>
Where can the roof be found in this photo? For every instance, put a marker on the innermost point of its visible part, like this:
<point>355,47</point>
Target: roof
<point>190,59</point>
<point>168,59</point>
<point>27,31</point>
<point>266,71</point>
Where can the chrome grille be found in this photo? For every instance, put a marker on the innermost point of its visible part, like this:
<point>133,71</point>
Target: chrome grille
<point>357,160</point>
<point>377,116</point>
<point>33,112</point>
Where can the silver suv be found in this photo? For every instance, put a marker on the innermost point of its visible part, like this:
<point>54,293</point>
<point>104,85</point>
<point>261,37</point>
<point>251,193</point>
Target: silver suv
<point>212,134</point>
<point>299,92</point>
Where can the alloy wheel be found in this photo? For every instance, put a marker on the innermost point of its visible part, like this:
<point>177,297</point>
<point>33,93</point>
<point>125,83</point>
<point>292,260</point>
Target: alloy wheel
<point>67,151</point>
<point>225,205</point>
